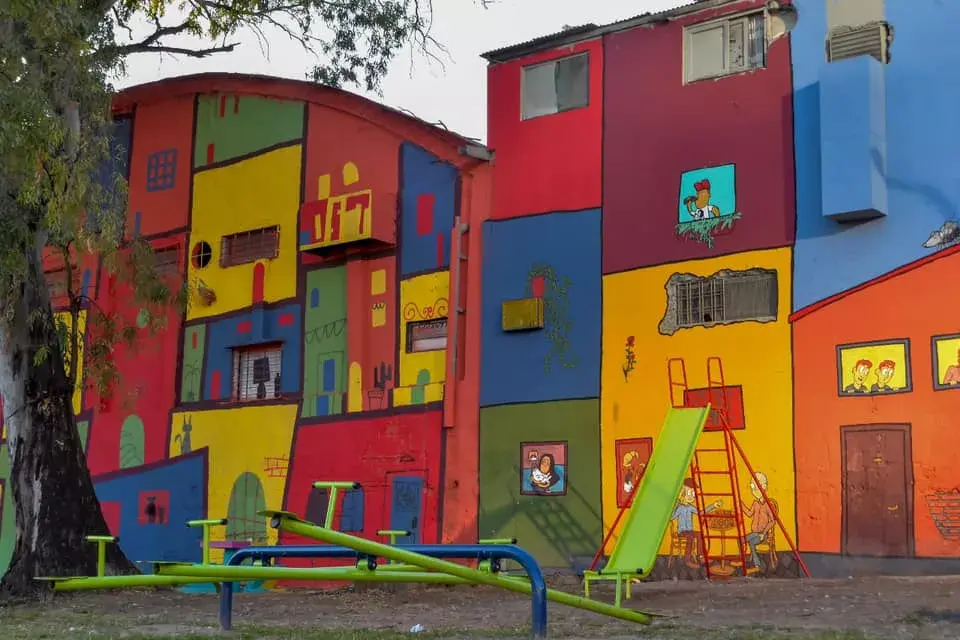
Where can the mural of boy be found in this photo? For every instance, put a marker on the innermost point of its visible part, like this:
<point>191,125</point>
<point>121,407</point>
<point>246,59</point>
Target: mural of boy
<point>762,522</point>
<point>684,513</point>
<point>860,372</point>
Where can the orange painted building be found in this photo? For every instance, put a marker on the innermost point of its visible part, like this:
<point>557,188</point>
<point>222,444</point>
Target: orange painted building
<point>877,384</point>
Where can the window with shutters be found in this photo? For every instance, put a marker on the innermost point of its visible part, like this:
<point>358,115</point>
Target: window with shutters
<point>873,39</point>
<point>166,261</point>
<point>256,373</point>
<point>555,86</point>
<point>250,246</point>
<point>724,47</point>
<point>427,335</point>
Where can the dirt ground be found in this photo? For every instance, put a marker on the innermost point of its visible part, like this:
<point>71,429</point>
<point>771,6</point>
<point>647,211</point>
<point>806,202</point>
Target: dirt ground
<point>869,608</point>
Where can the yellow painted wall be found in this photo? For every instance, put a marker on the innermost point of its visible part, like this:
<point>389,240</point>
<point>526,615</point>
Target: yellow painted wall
<point>239,440</point>
<point>754,355</point>
<point>258,192</point>
<point>423,297</point>
<point>64,318</point>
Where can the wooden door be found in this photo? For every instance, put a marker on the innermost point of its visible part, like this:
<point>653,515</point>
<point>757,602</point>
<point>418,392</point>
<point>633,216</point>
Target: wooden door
<point>877,490</point>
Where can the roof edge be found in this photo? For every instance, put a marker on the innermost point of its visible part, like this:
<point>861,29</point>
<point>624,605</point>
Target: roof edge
<point>591,31</point>
<point>889,275</point>
<point>125,100</point>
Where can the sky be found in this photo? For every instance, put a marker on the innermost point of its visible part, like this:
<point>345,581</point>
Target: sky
<point>453,93</point>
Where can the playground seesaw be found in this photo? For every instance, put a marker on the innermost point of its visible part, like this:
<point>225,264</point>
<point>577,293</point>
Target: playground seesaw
<point>430,558</point>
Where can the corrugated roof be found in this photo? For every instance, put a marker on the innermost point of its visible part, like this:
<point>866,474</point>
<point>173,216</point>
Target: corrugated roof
<point>590,31</point>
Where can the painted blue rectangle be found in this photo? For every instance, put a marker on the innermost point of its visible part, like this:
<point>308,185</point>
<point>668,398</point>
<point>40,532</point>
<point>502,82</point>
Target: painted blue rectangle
<point>351,515</point>
<point>184,478</point>
<point>406,506</point>
<point>562,360</point>
<point>269,326</point>
<point>329,375</point>
<point>425,174</point>
<point>323,405</point>
<point>853,138</point>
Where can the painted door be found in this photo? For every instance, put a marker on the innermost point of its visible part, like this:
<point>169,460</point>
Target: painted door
<point>877,490</point>
<point>406,504</point>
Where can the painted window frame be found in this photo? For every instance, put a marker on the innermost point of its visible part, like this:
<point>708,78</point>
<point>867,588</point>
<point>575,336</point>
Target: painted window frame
<point>554,63</point>
<point>238,391</point>
<point>743,19</point>
<point>263,252</point>
<point>433,342</point>
<point>935,361</point>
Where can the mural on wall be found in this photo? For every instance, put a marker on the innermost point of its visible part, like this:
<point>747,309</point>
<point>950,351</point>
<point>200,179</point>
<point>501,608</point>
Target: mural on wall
<point>944,509</point>
<point>708,203</point>
<point>948,234</point>
<point>544,282</point>
<point>874,367</point>
<point>544,469</point>
<point>946,361</point>
<point>632,457</point>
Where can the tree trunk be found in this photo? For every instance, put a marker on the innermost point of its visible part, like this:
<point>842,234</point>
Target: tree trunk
<point>55,501</point>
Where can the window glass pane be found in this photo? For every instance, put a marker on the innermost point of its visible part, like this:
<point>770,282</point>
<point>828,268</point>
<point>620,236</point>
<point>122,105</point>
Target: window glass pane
<point>539,92</point>
<point>706,52</point>
<point>572,80</point>
<point>736,49</point>
<point>756,41</point>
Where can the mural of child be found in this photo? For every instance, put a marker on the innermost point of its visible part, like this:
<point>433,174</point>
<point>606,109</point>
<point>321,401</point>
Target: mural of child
<point>633,471</point>
<point>763,521</point>
<point>684,512</point>
<point>860,372</point>
<point>885,371</point>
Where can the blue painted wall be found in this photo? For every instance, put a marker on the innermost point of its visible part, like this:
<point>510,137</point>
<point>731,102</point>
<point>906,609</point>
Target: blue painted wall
<point>515,365</point>
<point>424,248</point>
<point>185,480</point>
<point>922,138</point>
<point>224,336</point>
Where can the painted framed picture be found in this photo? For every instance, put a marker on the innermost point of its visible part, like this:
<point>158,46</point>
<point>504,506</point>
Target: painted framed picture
<point>946,361</point>
<point>633,454</point>
<point>707,203</point>
<point>543,468</point>
<point>874,368</point>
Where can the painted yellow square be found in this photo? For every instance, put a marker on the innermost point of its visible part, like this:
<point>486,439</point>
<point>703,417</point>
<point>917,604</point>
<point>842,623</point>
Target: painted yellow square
<point>378,315</point>
<point>378,282</point>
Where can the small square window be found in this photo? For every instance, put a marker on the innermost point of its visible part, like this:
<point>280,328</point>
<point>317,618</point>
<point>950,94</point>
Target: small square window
<point>256,373</point>
<point>725,47</point>
<point>427,335</point>
<point>555,86</point>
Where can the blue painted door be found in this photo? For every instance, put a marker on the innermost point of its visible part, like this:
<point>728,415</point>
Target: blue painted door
<point>406,502</point>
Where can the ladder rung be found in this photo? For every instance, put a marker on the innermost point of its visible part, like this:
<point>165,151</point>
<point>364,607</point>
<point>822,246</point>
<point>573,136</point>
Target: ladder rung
<point>717,515</point>
<point>721,537</point>
<point>717,495</point>
<point>713,473</point>
<point>711,450</point>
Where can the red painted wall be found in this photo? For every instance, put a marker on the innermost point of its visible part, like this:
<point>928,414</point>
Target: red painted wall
<point>550,163</point>
<point>656,128</point>
<point>341,138</point>
<point>147,378</point>
<point>368,450</point>
<point>367,344</point>
<point>161,126</point>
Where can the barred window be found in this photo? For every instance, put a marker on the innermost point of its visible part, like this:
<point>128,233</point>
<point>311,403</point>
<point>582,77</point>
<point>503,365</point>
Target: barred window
<point>250,246</point>
<point>427,335</point>
<point>256,373</point>
<point>727,298</point>
<point>166,261</point>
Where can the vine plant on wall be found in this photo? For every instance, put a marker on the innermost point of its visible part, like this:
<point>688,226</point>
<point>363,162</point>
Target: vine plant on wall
<point>543,282</point>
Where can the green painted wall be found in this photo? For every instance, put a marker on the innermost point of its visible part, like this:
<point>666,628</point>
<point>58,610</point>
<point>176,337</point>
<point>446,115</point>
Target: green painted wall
<point>248,125</point>
<point>325,338</point>
<point>192,370</point>
<point>8,523</point>
<point>560,531</point>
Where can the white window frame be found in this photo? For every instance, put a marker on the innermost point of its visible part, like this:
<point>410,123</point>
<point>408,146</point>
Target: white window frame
<point>427,344</point>
<point>524,112</point>
<point>243,358</point>
<point>725,23</point>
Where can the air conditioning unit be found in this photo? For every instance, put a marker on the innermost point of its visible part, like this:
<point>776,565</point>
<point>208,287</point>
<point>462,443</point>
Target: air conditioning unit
<point>871,39</point>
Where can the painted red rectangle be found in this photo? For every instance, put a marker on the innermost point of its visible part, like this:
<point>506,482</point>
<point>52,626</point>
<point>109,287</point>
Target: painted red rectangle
<point>111,515</point>
<point>245,327</point>
<point>285,320</point>
<point>731,400</point>
<point>223,105</point>
<point>308,215</point>
<point>210,153</point>
<point>236,103</point>
<point>440,249</point>
<point>425,203</point>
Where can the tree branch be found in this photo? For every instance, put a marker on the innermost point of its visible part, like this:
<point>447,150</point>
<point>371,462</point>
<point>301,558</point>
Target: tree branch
<point>193,53</point>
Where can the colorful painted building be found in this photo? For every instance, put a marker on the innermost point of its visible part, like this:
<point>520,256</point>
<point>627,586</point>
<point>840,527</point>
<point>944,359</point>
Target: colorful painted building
<point>736,197</point>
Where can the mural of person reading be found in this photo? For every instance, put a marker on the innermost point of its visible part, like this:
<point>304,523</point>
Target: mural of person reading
<point>544,468</point>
